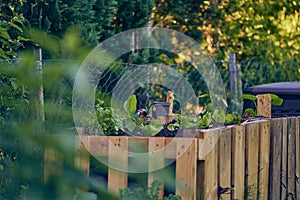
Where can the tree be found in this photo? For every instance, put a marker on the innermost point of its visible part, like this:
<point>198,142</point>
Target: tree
<point>11,22</point>
<point>266,32</point>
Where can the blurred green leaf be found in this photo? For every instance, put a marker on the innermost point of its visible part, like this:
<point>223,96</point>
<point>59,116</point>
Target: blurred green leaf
<point>130,124</point>
<point>86,196</point>
<point>153,128</point>
<point>130,105</point>
<point>249,97</point>
<point>218,115</point>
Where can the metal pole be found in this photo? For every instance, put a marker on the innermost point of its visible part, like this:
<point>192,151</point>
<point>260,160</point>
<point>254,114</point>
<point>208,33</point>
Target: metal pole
<point>40,112</point>
<point>233,83</point>
<point>239,89</point>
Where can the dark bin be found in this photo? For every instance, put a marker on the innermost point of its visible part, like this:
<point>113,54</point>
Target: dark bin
<point>288,91</point>
<point>161,109</point>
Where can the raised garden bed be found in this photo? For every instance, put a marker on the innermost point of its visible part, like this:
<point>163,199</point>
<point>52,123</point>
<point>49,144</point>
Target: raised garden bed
<point>238,161</point>
<point>217,163</point>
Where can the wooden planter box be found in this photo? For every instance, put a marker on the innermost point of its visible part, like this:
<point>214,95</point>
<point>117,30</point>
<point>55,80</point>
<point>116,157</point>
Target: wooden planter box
<point>262,155</point>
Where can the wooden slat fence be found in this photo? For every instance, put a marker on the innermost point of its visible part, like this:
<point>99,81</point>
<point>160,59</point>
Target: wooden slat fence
<point>254,160</point>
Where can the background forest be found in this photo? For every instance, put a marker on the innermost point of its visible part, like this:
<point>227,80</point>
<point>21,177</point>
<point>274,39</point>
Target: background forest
<point>264,35</point>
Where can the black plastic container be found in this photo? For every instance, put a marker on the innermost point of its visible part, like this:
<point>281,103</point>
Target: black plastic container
<point>161,109</point>
<point>288,91</point>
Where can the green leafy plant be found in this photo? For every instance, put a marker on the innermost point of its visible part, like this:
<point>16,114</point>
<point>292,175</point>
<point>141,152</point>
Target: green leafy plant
<point>140,193</point>
<point>105,117</point>
<point>187,121</point>
<point>210,116</point>
<point>130,105</point>
<point>205,120</point>
<point>232,119</point>
<point>173,126</point>
<point>218,115</point>
<point>130,109</point>
<point>152,128</point>
<point>132,120</point>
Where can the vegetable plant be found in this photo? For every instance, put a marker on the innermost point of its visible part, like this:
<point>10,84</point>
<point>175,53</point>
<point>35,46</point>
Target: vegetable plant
<point>151,128</point>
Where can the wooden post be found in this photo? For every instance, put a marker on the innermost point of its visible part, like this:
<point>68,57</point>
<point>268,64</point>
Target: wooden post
<point>264,105</point>
<point>208,177</point>
<point>264,159</point>
<point>275,159</point>
<point>170,99</point>
<point>156,161</point>
<point>82,148</point>
<point>53,164</point>
<point>238,161</point>
<point>251,164</point>
<point>224,164</point>
<point>186,165</point>
<point>291,144</point>
<point>117,156</point>
<point>297,174</point>
<point>284,160</point>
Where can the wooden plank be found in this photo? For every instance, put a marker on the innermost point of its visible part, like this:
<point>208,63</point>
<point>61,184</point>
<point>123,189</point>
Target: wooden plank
<point>82,159</point>
<point>170,99</point>
<point>275,159</point>
<point>264,159</point>
<point>156,161</point>
<point>238,161</point>
<point>264,105</point>
<point>224,164</point>
<point>200,180</point>
<point>137,145</point>
<point>284,160</point>
<point>118,159</point>
<point>297,128</point>
<point>99,145</point>
<point>208,141</point>
<point>170,148</point>
<point>186,165</point>
<point>251,164</point>
<point>53,164</point>
<point>291,158</point>
<point>208,152</point>
<point>298,158</point>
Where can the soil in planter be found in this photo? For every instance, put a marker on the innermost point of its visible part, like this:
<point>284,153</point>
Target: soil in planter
<point>165,132</point>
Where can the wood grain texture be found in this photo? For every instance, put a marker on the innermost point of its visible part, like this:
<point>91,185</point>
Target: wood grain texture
<point>82,159</point>
<point>53,164</point>
<point>275,159</point>
<point>264,105</point>
<point>238,162</point>
<point>208,154</point>
<point>284,160</point>
<point>117,158</point>
<point>156,161</point>
<point>297,132</point>
<point>264,159</point>
<point>291,158</point>
<point>224,163</point>
<point>251,164</point>
<point>186,166</point>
